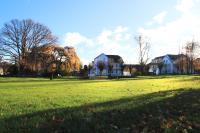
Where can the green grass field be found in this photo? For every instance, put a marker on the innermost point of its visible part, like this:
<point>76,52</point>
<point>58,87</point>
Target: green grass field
<point>143,104</point>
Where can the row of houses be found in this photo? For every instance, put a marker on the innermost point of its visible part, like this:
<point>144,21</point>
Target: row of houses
<point>167,64</point>
<point>115,66</point>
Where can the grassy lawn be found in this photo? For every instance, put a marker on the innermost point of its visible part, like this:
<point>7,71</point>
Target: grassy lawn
<point>143,104</point>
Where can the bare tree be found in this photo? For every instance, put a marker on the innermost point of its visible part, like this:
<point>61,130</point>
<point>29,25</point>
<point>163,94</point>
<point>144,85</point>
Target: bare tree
<point>191,49</point>
<point>1,59</point>
<point>101,66</point>
<point>90,66</point>
<point>181,63</point>
<point>18,37</point>
<point>132,70</point>
<point>144,47</point>
<point>110,67</point>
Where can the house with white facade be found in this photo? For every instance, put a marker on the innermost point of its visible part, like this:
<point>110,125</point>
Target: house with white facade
<point>1,70</point>
<point>112,65</point>
<point>165,64</point>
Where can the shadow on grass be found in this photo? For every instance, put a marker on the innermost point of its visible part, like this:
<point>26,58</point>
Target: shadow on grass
<point>167,111</point>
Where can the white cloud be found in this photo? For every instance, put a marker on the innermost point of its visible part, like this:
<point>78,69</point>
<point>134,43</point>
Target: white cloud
<point>75,38</point>
<point>110,41</point>
<point>158,19</point>
<point>121,29</point>
<point>166,38</point>
<point>185,6</point>
<point>118,41</point>
<point>104,36</point>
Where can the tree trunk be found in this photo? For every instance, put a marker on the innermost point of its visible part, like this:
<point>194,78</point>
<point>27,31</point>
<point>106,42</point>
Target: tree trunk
<point>51,76</point>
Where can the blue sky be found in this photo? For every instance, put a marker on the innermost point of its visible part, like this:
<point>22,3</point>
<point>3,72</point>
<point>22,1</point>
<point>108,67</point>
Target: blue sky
<point>109,26</point>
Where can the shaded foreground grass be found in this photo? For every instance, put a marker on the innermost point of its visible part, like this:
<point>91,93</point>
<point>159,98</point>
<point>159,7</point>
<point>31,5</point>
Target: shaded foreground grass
<point>170,104</point>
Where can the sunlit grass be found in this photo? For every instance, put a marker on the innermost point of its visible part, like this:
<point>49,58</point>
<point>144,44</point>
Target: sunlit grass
<point>22,96</point>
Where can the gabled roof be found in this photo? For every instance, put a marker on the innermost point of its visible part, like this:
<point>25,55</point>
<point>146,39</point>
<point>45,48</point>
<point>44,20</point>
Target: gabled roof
<point>172,57</point>
<point>99,55</point>
<point>115,57</point>
<point>159,57</point>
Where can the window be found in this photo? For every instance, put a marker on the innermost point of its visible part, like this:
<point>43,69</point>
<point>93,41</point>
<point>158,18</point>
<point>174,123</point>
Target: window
<point>114,71</point>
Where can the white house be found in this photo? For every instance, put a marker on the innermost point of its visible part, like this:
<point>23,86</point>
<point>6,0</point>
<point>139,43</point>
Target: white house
<point>165,64</point>
<point>112,65</point>
<point>1,70</point>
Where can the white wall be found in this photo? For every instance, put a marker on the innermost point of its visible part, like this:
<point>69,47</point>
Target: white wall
<point>116,66</point>
<point>168,66</point>
<point>1,71</point>
<point>103,58</point>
